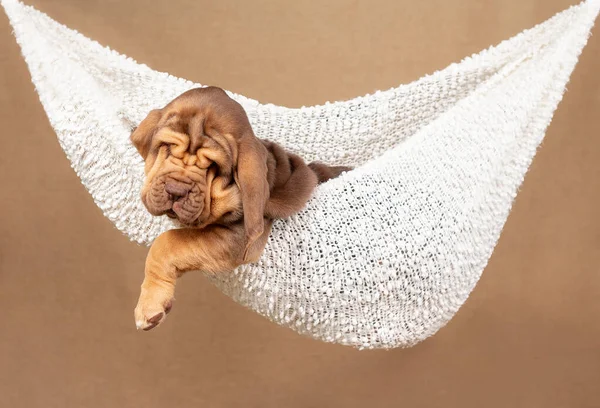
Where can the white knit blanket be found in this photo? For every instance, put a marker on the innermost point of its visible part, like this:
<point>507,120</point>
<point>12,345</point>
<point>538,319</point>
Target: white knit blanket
<point>381,257</point>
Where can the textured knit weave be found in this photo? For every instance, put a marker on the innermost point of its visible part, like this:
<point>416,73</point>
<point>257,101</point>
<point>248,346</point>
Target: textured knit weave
<point>386,254</point>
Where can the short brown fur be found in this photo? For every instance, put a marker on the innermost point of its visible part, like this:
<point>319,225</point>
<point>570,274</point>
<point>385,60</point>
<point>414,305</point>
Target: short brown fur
<point>205,167</point>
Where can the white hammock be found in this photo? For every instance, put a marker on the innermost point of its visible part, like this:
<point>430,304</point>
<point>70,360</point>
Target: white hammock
<point>386,254</point>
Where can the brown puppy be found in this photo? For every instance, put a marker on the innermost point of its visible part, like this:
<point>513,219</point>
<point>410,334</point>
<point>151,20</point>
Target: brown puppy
<point>207,169</point>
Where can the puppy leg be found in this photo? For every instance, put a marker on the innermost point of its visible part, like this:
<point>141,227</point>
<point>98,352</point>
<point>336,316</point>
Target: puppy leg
<point>213,249</point>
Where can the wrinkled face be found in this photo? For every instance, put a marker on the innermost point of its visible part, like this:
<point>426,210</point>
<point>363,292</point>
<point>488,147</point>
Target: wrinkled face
<point>185,183</point>
<point>190,177</point>
<point>203,163</point>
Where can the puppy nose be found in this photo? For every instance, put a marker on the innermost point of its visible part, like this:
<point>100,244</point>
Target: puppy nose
<point>177,188</point>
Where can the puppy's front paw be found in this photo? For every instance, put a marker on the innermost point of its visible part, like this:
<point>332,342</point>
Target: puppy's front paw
<point>153,306</point>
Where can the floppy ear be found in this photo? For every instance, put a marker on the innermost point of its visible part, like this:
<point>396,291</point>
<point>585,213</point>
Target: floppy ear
<point>254,186</point>
<point>141,137</point>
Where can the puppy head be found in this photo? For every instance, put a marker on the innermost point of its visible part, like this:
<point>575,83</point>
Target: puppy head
<point>203,163</point>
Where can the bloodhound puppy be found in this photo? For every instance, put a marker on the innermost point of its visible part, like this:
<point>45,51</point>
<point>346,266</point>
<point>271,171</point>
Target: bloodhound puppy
<point>206,169</point>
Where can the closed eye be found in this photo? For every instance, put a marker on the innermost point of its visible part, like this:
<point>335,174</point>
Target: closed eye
<point>214,167</point>
<point>167,146</point>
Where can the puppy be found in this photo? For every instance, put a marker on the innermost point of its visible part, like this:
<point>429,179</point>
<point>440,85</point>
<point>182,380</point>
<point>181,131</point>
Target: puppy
<point>206,169</point>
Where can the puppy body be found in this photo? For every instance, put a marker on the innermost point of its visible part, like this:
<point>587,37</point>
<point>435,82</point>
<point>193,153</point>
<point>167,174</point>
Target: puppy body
<point>207,169</point>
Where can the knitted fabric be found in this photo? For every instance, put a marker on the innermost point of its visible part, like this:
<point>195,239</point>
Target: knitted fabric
<point>382,256</point>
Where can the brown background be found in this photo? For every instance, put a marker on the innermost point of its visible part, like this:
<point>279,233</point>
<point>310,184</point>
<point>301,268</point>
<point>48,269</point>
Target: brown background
<point>529,336</point>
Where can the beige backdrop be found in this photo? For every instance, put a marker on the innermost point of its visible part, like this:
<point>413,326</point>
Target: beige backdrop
<point>529,336</point>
